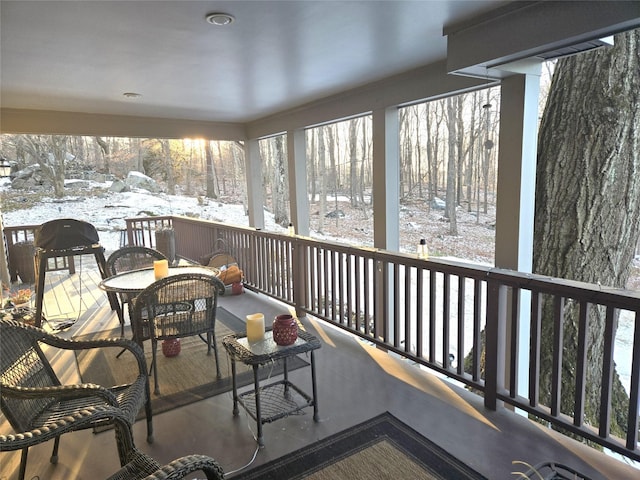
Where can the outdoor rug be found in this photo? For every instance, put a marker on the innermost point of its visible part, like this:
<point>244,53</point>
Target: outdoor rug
<point>382,448</point>
<point>184,379</point>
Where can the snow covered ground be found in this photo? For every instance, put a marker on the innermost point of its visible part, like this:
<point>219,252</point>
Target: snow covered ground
<point>108,210</point>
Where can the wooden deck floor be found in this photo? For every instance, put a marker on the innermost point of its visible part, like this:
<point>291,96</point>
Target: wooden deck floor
<point>355,382</point>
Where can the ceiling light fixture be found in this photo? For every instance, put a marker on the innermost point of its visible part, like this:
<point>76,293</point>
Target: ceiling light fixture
<point>131,95</point>
<point>220,19</point>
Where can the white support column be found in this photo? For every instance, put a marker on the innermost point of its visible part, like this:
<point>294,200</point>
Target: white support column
<point>516,194</point>
<point>255,196</point>
<point>386,209</point>
<point>386,179</point>
<point>297,167</point>
<point>517,172</point>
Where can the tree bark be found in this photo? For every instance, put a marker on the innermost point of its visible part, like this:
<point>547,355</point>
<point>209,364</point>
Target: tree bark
<point>587,217</point>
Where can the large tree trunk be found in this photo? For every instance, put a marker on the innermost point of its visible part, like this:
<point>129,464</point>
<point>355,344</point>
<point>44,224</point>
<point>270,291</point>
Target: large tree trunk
<point>587,217</point>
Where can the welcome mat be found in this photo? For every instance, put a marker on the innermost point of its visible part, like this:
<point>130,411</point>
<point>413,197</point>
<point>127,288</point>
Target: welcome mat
<point>184,379</point>
<point>382,448</point>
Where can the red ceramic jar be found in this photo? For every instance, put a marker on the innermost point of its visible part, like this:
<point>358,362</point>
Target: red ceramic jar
<point>285,330</point>
<point>237,288</point>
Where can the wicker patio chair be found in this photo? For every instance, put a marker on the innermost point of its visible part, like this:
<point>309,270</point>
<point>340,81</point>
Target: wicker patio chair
<point>82,418</point>
<point>141,466</point>
<point>33,399</point>
<point>177,306</point>
<point>130,258</point>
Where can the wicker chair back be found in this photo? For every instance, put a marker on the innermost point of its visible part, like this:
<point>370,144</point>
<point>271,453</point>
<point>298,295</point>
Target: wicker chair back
<point>178,306</point>
<point>23,364</point>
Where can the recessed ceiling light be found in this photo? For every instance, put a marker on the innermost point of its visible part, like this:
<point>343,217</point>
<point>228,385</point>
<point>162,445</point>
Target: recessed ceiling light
<point>220,19</point>
<point>131,95</point>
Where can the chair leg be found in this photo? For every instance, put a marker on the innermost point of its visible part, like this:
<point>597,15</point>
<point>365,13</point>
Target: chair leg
<point>149,415</point>
<point>154,366</point>
<point>23,463</point>
<point>54,454</point>
<point>124,440</point>
<point>215,353</point>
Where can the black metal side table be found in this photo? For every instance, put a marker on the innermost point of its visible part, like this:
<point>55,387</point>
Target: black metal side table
<point>278,399</point>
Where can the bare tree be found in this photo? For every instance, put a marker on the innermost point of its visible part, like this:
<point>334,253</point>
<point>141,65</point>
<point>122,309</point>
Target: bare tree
<point>355,188</point>
<point>103,151</point>
<point>322,179</point>
<point>210,173</point>
<point>450,208</point>
<point>50,152</point>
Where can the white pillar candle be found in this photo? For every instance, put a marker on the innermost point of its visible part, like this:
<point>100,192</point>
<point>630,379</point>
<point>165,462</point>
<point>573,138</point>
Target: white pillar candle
<point>255,327</point>
<point>160,269</point>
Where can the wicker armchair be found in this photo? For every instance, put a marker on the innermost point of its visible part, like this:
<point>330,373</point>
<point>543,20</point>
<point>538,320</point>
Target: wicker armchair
<point>177,306</point>
<point>130,258</point>
<point>39,407</point>
<point>141,466</point>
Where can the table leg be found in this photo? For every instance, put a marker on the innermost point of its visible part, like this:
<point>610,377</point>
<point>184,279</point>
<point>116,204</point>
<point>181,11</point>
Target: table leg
<point>235,387</point>
<point>256,388</point>
<point>315,389</point>
<point>41,268</point>
<point>286,377</point>
<point>98,253</point>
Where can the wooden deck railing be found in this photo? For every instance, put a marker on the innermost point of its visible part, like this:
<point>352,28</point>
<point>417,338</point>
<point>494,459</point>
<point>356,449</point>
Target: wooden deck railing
<point>478,325</point>
<point>26,234</point>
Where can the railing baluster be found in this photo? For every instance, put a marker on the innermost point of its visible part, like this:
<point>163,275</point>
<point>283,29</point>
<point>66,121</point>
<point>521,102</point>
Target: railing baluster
<point>477,329</point>
<point>368,266</point>
<point>461,323</point>
<point>581,370</point>
<point>357,295</point>
<point>558,343</point>
<point>515,335</point>
<point>432,316</point>
<point>534,349</point>
<point>396,307</point>
<point>419,311</point>
<point>634,396</point>
<point>607,372</point>
<point>446,319</point>
<point>408,272</point>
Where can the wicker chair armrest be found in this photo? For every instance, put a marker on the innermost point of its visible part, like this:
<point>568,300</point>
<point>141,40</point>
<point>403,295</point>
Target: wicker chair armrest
<point>83,418</point>
<point>183,466</point>
<point>123,343</point>
<point>61,392</point>
<point>142,466</point>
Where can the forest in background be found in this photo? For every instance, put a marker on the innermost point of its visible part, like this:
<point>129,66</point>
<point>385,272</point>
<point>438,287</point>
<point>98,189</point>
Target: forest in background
<point>447,151</point>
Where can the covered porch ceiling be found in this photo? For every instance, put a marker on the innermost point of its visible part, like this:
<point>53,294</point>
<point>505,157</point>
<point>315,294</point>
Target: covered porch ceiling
<point>65,66</point>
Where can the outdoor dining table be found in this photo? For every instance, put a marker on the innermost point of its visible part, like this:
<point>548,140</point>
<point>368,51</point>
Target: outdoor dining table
<point>135,281</point>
